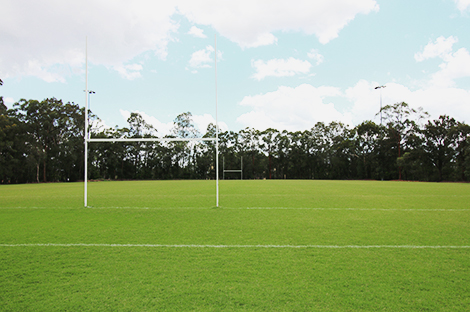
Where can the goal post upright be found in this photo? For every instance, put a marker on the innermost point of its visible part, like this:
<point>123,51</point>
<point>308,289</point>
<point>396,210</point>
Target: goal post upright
<point>85,133</point>
<point>216,129</point>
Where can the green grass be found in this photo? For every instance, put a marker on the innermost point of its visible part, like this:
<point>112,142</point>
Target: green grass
<point>175,213</point>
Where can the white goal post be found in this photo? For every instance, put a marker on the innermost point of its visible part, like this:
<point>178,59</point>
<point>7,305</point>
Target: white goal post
<point>91,140</point>
<point>233,170</point>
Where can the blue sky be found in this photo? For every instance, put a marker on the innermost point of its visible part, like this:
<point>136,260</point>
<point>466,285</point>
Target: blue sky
<point>285,65</point>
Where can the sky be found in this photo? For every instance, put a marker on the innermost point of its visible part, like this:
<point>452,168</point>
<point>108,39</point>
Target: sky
<point>280,64</point>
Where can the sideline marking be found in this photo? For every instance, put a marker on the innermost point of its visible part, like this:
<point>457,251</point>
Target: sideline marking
<point>246,208</point>
<point>239,246</point>
<point>366,209</point>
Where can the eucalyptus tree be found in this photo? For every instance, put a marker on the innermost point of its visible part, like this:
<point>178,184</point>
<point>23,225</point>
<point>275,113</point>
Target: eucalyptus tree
<point>463,151</point>
<point>205,155</point>
<point>12,144</point>
<point>50,124</point>
<point>140,152</point>
<point>283,150</point>
<point>297,154</point>
<point>367,141</point>
<point>445,142</point>
<point>232,150</point>
<point>184,152</point>
<point>267,146</point>
<point>401,121</point>
<point>250,138</point>
<point>466,158</point>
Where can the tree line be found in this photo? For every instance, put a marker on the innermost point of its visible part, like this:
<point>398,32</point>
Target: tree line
<point>43,141</point>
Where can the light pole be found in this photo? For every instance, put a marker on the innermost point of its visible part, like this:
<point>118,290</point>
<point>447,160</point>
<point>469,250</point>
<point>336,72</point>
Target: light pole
<point>89,92</point>
<point>380,87</point>
<point>381,166</point>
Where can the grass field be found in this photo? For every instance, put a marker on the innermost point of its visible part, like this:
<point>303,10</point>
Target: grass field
<point>270,246</point>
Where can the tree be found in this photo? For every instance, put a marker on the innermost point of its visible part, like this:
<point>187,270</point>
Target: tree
<point>463,141</point>
<point>250,139</point>
<point>138,152</point>
<point>401,122</point>
<point>184,152</point>
<point>49,126</point>
<point>267,146</point>
<point>367,144</point>
<point>11,146</point>
<point>283,144</point>
<point>440,140</point>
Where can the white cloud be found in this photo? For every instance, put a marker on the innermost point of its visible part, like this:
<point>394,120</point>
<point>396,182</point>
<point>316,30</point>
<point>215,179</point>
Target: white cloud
<point>442,48</point>
<point>315,55</point>
<point>8,100</point>
<point>462,5</point>
<point>280,68</point>
<point>162,128</point>
<point>130,72</point>
<point>291,108</point>
<point>202,58</point>
<point>200,122</point>
<point>263,39</point>
<point>365,100</point>
<point>46,38</point>
<point>197,32</point>
<point>456,65</point>
<point>301,107</point>
<point>252,23</point>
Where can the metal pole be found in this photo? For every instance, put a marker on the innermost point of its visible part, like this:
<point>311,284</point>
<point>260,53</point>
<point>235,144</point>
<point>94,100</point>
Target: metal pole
<point>89,105</point>
<point>380,106</point>
<point>380,87</point>
<point>216,127</point>
<point>86,120</point>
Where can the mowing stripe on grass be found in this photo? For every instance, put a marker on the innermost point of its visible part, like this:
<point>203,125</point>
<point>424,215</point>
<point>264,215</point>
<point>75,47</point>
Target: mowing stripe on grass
<point>237,246</point>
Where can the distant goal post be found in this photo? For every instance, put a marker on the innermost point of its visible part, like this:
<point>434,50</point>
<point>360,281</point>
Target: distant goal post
<point>232,170</point>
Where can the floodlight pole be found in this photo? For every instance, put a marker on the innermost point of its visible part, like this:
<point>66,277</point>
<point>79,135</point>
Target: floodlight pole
<point>89,105</point>
<point>86,120</point>
<point>380,87</point>
<point>216,129</point>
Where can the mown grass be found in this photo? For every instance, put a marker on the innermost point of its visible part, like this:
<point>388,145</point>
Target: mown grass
<point>46,278</point>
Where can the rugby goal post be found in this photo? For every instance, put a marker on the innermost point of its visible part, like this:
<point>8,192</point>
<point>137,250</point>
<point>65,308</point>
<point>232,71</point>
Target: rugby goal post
<point>91,140</point>
<point>233,170</point>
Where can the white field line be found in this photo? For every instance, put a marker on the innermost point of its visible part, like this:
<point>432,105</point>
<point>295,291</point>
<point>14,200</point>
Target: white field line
<point>241,246</point>
<point>360,209</point>
<point>136,208</point>
<point>247,208</point>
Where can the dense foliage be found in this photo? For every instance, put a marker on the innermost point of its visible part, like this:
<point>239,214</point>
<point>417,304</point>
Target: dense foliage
<point>43,141</point>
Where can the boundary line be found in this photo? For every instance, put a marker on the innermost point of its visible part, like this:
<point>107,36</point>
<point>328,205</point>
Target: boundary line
<point>248,208</point>
<point>241,246</point>
<point>366,209</point>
